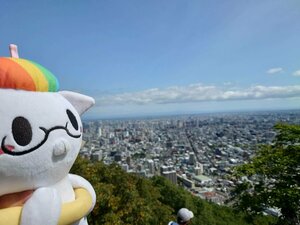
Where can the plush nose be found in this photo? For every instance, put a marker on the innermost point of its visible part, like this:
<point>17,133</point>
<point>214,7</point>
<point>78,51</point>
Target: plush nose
<point>61,147</point>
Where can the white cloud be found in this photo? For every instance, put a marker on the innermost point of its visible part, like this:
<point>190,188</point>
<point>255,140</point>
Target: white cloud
<point>227,83</point>
<point>199,93</point>
<point>275,70</point>
<point>296,73</point>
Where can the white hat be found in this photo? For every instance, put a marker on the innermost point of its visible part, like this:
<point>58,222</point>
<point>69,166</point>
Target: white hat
<point>185,214</point>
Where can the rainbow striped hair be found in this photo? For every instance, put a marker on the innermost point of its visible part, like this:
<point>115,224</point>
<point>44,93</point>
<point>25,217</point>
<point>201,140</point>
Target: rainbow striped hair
<point>23,74</point>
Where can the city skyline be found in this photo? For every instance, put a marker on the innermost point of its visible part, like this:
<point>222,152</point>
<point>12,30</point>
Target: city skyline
<point>158,58</point>
<point>197,152</point>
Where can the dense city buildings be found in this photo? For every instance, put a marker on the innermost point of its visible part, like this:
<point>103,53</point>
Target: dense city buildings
<point>197,152</point>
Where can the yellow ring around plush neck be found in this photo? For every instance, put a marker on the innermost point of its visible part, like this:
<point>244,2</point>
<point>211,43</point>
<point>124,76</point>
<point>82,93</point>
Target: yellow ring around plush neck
<point>70,213</point>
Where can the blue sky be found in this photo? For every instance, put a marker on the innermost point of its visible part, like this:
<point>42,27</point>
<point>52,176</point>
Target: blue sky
<point>163,57</point>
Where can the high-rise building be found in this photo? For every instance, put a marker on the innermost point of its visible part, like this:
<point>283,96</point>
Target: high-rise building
<point>125,167</point>
<point>99,131</point>
<point>198,169</point>
<point>118,157</point>
<point>96,156</point>
<point>192,158</point>
<point>139,167</point>
<point>128,160</point>
<point>151,167</point>
<point>169,173</point>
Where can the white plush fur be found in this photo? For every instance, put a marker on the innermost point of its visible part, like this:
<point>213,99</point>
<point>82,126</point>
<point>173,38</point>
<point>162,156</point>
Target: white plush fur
<point>45,169</point>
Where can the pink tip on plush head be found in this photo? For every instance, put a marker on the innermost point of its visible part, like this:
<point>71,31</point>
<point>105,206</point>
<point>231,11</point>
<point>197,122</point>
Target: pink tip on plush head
<point>13,51</point>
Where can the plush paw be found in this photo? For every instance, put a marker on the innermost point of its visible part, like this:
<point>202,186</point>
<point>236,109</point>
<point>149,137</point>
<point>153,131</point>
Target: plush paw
<point>80,182</point>
<point>44,207</point>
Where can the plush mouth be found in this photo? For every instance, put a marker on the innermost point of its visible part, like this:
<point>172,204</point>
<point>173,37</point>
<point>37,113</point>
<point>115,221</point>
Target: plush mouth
<point>9,147</point>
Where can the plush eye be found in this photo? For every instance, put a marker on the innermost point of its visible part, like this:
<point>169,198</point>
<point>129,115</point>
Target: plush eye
<point>21,130</point>
<point>73,119</point>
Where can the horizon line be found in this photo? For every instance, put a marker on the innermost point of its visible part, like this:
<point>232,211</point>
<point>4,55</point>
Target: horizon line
<point>174,114</point>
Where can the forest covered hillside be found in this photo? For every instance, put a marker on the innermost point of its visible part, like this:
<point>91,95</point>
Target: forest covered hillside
<point>125,198</point>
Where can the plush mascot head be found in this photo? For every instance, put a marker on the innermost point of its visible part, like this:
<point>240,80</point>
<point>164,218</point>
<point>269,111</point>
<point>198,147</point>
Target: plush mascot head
<point>40,128</point>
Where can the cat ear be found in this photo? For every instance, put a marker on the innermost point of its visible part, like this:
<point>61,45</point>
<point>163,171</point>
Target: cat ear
<point>80,102</point>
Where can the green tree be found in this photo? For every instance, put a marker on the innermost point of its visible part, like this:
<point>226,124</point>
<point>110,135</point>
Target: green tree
<point>122,198</point>
<point>128,199</point>
<point>274,177</point>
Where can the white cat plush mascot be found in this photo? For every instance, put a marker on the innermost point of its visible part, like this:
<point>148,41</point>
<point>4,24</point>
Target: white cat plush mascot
<point>40,137</point>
